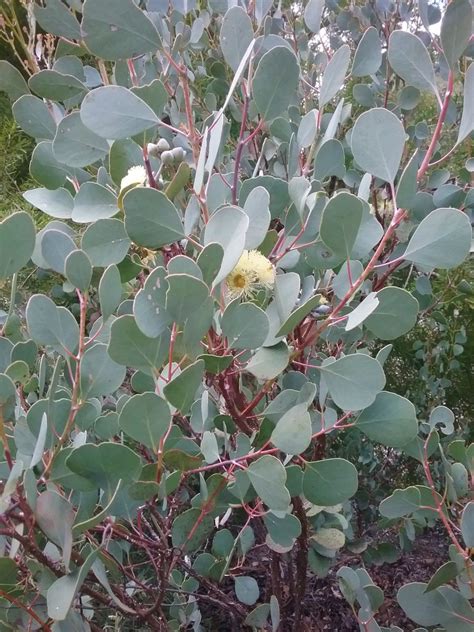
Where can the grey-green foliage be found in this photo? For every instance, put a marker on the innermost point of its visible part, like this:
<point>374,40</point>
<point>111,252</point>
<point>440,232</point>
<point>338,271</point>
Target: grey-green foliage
<point>229,250</point>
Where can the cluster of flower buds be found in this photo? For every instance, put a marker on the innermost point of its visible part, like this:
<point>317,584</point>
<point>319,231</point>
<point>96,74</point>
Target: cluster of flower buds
<point>168,156</point>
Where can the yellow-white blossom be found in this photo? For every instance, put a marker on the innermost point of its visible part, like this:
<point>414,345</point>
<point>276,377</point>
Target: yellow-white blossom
<point>253,272</point>
<point>136,176</point>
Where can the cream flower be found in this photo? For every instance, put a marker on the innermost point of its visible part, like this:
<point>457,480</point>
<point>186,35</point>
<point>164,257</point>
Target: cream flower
<point>253,272</point>
<point>135,176</point>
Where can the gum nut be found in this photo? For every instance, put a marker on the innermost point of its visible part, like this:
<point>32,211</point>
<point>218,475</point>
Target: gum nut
<point>163,145</point>
<point>167,158</point>
<point>152,150</point>
<point>178,154</point>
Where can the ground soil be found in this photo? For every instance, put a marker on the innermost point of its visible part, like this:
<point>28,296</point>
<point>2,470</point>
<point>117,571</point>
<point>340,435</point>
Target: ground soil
<point>325,610</point>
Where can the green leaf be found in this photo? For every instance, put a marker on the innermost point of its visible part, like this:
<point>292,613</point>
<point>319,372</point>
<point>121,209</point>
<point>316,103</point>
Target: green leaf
<point>34,118</point>
<point>368,56</point>
<point>210,261</point>
<point>467,525</point>
<point>114,112</point>
<point>362,311</point>
<point>377,141</point>
<point>55,246</point>
<point>149,304</point>
<point>390,420</point>
<point>257,207</point>
<point>180,392</point>
<point>50,84</point>
<point>185,523</point>
<point>61,593</point>
<point>330,160</point>
<point>312,15</point>
<point>17,242</point>
<point>244,325</point>
<point>353,381</point>
<point>118,29</point>
<point>340,222</point>
<point>395,314</point>
<point>50,325</point>
<point>329,482</point>
<point>92,202</point>
<point>467,120</point>
<point>12,81</point>
<point>154,95</point>
<point>456,29</point>
<point>235,36</point>
<point>151,219</point>
<point>78,269</point>
<point>275,82</point>
<point>442,606</point>
<point>58,203</point>
<point>184,296</point>
<point>276,187</point>
<point>105,242</point>
<point>298,315</point>
<point>292,433</point>
<point>402,502</point>
<point>55,517</point>
<point>442,240</point>
<point>268,477</point>
<point>334,75</point>
<point>227,227</point>
<point>444,575</point>
<point>246,590</point>
<point>44,167</point>
<point>269,362</point>
<point>57,19</point>
<point>75,145</point>
<point>332,539</point>
<point>99,374</point>
<point>110,291</point>
<point>410,59</point>
<point>146,418</point>
<point>128,346</point>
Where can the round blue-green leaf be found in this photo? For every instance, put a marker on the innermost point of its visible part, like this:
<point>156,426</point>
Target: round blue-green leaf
<point>118,29</point>
<point>443,606</point>
<point>92,202</point>
<point>34,118</point>
<point>257,207</point>
<point>467,525</point>
<point>340,222</point>
<point>456,30</point>
<point>378,140</point>
<point>330,160</point>
<point>75,145</point>
<point>57,203</point>
<point>275,82</point>
<point>244,325</point>
<point>410,59</point>
<point>334,75</point>
<point>151,219</point>
<point>99,374</point>
<point>292,433</point>
<point>246,590</point>
<point>57,19</point>
<point>128,346</point>
<point>149,304</point>
<point>467,119</point>
<point>146,418</point>
<point>56,86</point>
<point>44,167</point>
<point>78,269</point>
<point>353,381</point>
<point>56,245</point>
<point>269,362</point>
<point>235,36</point>
<point>268,477</point>
<point>184,296</point>
<point>390,420</point>
<point>184,533</point>
<point>395,314</point>
<point>442,240</point>
<point>17,242</point>
<point>227,227</point>
<point>181,390</point>
<point>106,242</point>
<point>110,291</point>
<point>51,325</point>
<point>12,81</point>
<point>368,56</point>
<point>115,112</point>
<point>329,482</point>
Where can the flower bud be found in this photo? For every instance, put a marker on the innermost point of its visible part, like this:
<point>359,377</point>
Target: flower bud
<point>167,158</point>
<point>162,145</point>
<point>178,154</point>
<point>153,150</point>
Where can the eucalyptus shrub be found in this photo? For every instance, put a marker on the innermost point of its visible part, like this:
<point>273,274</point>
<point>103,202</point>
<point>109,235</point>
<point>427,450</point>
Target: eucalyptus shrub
<point>235,195</point>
